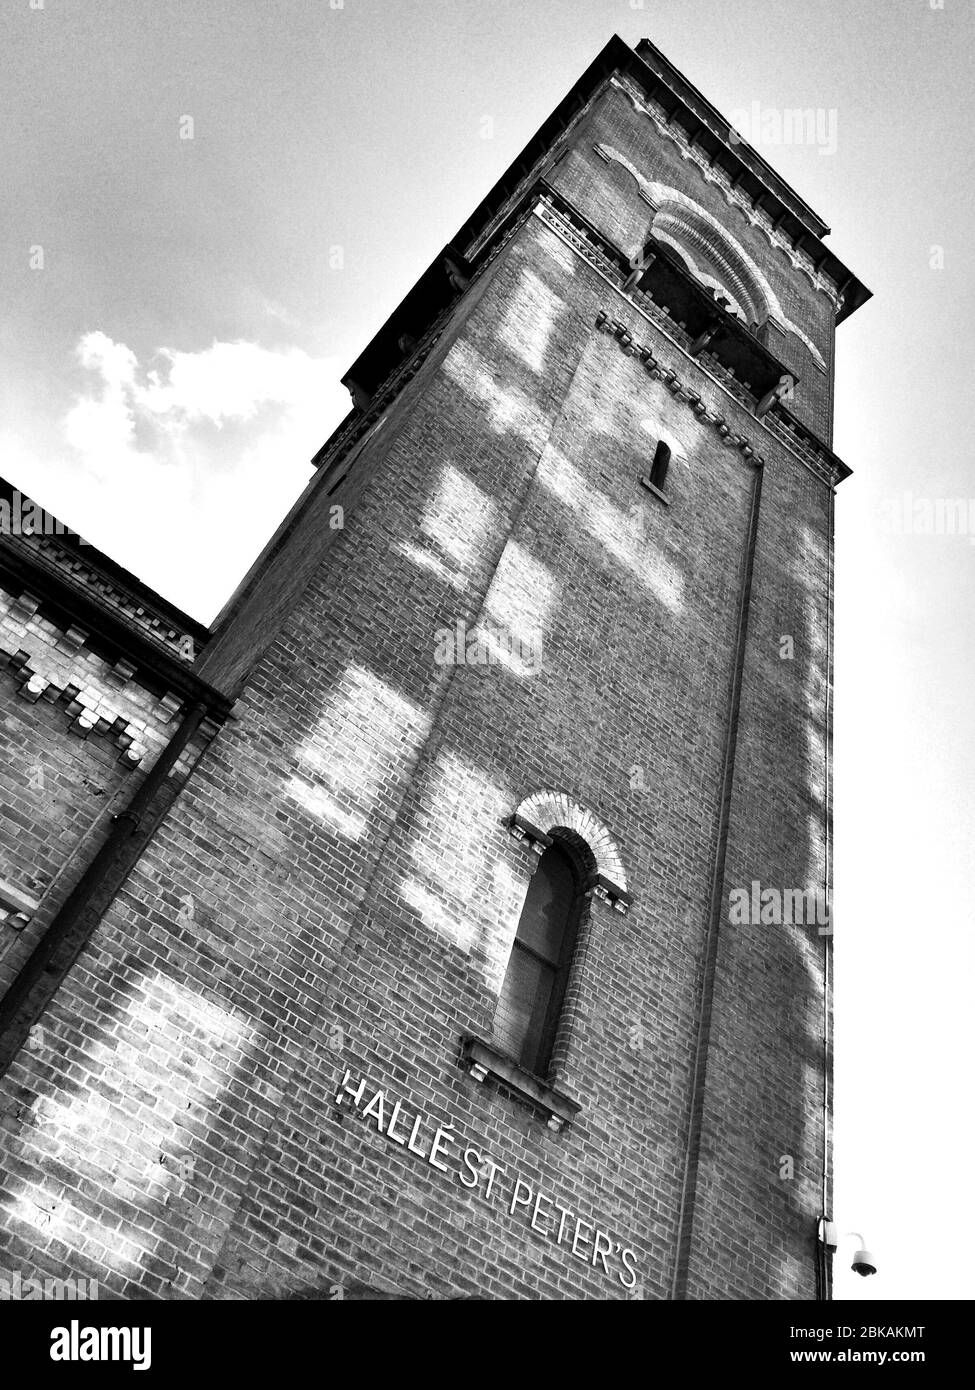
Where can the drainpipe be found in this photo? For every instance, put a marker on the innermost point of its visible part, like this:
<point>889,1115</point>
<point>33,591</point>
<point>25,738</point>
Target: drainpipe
<point>824,1261</point>
<point>58,949</point>
<point>692,1157</point>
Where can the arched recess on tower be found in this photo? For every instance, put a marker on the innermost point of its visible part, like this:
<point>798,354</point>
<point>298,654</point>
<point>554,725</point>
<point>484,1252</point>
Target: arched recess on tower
<point>713,258</point>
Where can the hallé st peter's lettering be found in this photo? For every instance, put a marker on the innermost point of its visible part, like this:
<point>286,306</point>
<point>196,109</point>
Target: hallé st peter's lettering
<point>441,1147</point>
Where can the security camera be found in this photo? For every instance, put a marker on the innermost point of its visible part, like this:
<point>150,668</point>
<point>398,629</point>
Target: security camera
<point>829,1235</point>
<point>863,1263</point>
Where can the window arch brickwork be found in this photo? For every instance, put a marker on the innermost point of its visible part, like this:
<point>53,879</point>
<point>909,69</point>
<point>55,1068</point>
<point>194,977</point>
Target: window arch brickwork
<point>549,810</point>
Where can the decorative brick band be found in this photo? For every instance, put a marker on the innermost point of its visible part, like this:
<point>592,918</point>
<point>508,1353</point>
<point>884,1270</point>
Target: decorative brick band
<point>659,372</point>
<point>59,670</point>
<point>86,710</point>
<point>827,468</point>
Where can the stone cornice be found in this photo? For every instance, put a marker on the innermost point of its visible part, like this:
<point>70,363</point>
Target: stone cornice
<point>33,578</point>
<point>702,134</point>
<point>658,77</point>
<point>181,637</point>
<point>355,426</point>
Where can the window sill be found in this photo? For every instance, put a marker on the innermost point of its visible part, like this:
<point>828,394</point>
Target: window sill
<point>482,1060</point>
<point>655,490</point>
<point>16,908</point>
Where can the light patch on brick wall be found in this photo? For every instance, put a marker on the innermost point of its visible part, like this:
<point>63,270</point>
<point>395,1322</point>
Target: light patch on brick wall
<point>808,946</point>
<point>508,410</point>
<point>815,763</point>
<point>162,1021</point>
<point>458,523</point>
<point>344,762</point>
<point>461,806</point>
<point>510,888</point>
<point>787,1273</point>
<point>612,526</point>
<point>428,560</point>
<point>526,327</point>
<point>682,438</point>
<point>54,1218</point>
<point>519,601</point>
<point>436,915</point>
<point>322,806</point>
<point>556,250</point>
<point>813,669</point>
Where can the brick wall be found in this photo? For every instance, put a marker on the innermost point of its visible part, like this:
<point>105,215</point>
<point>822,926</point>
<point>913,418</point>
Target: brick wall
<point>79,728</point>
<point>335,890</point>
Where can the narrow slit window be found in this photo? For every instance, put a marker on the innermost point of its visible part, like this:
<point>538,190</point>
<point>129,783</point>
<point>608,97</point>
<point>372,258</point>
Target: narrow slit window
<point>661,462</point>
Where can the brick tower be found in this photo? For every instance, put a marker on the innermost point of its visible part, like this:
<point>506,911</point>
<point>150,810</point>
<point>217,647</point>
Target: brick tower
<point>407,964</point>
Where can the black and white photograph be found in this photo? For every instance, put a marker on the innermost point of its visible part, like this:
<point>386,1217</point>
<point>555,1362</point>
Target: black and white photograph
<point>487,562</point>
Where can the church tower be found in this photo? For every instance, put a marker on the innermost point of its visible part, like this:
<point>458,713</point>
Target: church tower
<point>478,943</point>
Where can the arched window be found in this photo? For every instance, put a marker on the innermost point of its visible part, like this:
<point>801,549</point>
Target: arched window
<point>534,985</point>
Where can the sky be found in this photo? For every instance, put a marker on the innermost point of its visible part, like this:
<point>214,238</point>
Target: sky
<point>212,205</point>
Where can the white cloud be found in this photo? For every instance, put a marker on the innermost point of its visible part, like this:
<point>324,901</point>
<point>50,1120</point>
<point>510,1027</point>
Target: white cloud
<point>229,381</point>
<point>103,426</point>
<point>181,470</point>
